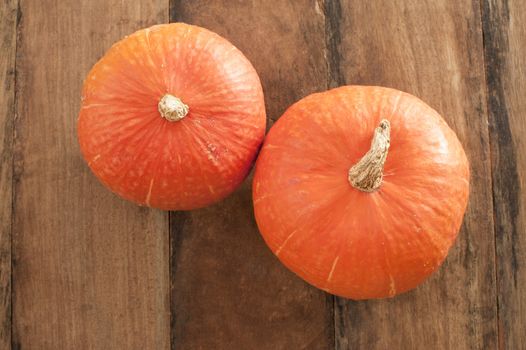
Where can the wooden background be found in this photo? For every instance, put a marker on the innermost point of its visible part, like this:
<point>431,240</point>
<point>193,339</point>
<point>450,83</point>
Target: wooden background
<point>82,269</point>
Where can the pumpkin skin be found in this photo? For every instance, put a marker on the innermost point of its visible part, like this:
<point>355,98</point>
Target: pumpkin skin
<point>133,146</point>
<point>356,244</point>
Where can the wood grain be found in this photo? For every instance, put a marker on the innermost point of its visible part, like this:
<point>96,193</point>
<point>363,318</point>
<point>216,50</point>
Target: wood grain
<point>228,290</point>
<point>8,14</point>
<point>432,49</point>
<point>505,51</point>
<point>86,270</point>
<point>90,271</point>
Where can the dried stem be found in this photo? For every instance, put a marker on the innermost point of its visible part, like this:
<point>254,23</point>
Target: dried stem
<point>367,174</point>
<point>172,108</point>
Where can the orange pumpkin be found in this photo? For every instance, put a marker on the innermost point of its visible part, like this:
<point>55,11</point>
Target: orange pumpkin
<point>361,190</point>
<point>172,117</point>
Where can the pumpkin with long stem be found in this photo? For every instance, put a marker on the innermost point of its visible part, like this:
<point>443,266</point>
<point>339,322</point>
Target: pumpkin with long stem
<point>361,190</point>
<point>172,117</point>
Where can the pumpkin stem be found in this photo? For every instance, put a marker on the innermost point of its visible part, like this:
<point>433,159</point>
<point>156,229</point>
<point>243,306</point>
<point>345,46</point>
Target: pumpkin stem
<point>367,174</point>
<point>172,108</point>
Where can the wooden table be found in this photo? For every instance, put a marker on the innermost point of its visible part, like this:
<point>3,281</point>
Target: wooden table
<point>83,269</point>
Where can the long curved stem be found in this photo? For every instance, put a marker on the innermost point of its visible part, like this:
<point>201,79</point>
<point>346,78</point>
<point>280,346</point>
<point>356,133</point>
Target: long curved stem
<point>367,174</point>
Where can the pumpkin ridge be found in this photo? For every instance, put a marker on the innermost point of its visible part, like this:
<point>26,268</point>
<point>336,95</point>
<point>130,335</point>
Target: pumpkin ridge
<point>139,134</point>
<point>157,164</point>
<point>146,139</point>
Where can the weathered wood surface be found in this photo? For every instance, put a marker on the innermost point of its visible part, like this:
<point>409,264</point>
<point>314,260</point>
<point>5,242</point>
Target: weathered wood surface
<point>90,271</point>
<point>86,270</point>
<point>8,15</point>
<point>505,53</point>
<point>432,49</point>
<point>228,290</point>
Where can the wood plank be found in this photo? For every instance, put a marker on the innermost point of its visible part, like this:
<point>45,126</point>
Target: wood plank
<point>90,270</point>
<point>505,51</point>
<point>8,14</point>
<point>228,290</point>
<point>432,49</point>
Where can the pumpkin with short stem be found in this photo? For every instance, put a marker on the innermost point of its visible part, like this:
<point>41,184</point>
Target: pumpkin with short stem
<point>361,190</point>
<point>172,117</point>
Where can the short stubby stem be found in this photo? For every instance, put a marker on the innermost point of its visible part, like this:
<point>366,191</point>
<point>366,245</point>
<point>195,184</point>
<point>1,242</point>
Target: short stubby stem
<point>172,108</point>
<point>367,174</point>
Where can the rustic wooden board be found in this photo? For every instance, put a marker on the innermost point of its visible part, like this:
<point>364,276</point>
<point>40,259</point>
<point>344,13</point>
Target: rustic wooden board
<point>432,49</point>
<point>505,51</point>
<point>90,271</point>
<point>8,14</point>
<point>80,268</point>
<point>228,290</point>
